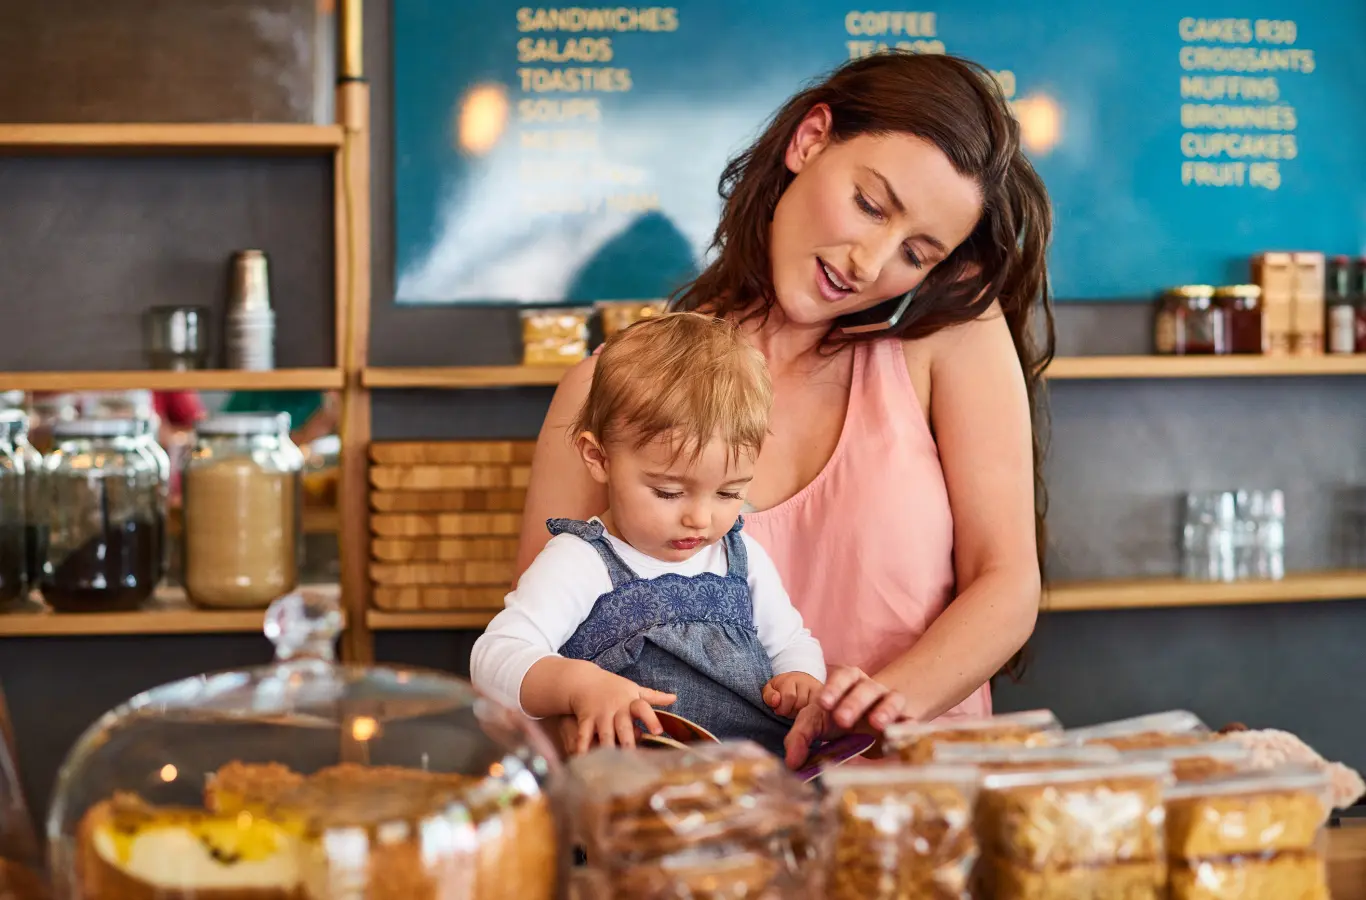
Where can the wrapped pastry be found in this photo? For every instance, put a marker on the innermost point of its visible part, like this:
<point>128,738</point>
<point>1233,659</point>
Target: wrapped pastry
<point>899,832</point>
<point>716,821</point>
<point>1011,758</point>
<point>1250,813</point>
<point>554,337</point>
<point>1272,748</point>
<point>914,742</point>
<point>1197,762</point>
<point>1165,729</point>
<point>1068,818</point>
<point>1284,876</point>
<point>617,315</point>
<point>1002,879</point>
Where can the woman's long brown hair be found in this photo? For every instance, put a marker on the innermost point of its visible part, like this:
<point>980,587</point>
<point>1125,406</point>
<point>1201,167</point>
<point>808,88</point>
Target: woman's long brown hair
<point>958,106</point>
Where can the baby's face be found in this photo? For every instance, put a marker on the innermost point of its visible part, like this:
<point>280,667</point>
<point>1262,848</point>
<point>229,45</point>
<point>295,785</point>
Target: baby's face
<point>670,505</point>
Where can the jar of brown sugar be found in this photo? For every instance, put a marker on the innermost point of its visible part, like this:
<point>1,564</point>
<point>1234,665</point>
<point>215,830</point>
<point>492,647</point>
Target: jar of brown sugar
<point>242,520</point>
<point>1242,306</point>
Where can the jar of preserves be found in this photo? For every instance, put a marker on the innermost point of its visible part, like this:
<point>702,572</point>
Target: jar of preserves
<point>35,501</point>
<point>242,515</point>
<point>1242,306</point>
<point>103,515</point>
<point>308,779</point>
<point>13,568</point>
<point>1200,326</point>
<point>1166,322</point>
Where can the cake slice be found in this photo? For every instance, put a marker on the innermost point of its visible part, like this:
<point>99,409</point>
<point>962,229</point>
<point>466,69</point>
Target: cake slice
<point>133,851</point>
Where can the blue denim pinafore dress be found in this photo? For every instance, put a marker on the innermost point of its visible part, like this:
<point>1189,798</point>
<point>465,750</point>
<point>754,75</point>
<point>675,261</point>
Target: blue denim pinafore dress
<point>692,636</point>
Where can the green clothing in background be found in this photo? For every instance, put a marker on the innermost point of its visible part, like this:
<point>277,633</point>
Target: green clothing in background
<point>301,405</point>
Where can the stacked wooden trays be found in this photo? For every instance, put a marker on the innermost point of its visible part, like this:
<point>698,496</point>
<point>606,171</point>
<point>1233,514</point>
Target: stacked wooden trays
<point>445,520</point>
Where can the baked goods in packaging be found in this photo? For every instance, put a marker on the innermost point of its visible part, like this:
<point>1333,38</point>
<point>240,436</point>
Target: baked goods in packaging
<point>914,742</point>
<point>617,315</point>
<point>1009,758</point>
<point>1249,813</point>
<point>899,832</point>
<point>1086,832</point>
<point>1174,728</point>
<point>1001,879</point>
<point>1272,748</point>
<point>715,820</point>
<point>1086,816</point>
<point>554,337</point>
<point>1284,876</point>
<point>1197,762</point>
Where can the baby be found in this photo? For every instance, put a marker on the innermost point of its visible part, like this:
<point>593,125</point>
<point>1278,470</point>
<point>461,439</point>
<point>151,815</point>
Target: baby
<point>661,600</point>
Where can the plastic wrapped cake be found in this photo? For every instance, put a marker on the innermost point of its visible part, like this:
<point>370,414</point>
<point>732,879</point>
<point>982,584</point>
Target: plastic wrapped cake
<point>307,780</point>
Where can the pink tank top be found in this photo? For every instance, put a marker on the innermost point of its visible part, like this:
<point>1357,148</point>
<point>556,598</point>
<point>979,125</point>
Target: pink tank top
<point>866,549</point>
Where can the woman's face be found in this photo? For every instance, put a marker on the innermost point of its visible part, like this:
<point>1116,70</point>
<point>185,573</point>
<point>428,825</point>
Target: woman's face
<point>864,220</point>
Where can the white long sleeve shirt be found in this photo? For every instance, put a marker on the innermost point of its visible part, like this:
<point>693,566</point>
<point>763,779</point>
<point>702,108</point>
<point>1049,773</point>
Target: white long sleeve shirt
<point>558,591</point>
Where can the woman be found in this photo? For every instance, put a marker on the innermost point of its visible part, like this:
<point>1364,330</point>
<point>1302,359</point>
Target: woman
<point>883,244</point>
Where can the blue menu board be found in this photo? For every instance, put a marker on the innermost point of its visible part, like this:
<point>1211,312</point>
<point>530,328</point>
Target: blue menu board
<point>571,154</point>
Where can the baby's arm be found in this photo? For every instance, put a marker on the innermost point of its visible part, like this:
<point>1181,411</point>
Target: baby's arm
<point>552,598</point>
<point>798,663</point>
<point>516,660</point>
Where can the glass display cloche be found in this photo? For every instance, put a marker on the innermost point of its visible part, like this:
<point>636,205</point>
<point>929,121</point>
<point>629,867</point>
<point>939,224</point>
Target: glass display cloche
<point>307,780</point>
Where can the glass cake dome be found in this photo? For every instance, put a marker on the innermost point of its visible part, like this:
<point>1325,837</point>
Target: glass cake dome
<point>307,779</point>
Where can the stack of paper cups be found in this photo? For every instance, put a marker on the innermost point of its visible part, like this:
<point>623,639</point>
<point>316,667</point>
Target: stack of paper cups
<point>250,327</point>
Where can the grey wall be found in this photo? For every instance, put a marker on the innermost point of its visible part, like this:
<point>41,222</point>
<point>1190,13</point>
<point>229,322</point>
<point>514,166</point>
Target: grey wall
<point>98,240</point>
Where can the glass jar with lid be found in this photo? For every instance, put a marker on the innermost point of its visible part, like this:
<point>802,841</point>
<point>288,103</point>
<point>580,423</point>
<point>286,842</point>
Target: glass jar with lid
<point>1199,326</point>
<point>13,566</point>
<point>149,446</point>
<point>103,518</point>
<point>310,780</point>
<point>242,521</point>
<point>35,503</point>
<point>1242,306</point>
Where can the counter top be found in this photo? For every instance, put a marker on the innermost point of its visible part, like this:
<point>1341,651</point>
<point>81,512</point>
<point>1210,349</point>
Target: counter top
<point>1347,861</point>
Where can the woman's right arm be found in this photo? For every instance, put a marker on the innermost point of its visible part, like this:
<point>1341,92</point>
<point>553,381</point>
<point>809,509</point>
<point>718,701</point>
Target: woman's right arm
<point>560,486</point>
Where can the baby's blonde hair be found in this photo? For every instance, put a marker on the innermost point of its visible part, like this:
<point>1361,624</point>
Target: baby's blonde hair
<point>686,377</point>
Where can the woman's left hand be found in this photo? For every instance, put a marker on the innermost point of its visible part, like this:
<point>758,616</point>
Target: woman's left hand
<point>851,701</point>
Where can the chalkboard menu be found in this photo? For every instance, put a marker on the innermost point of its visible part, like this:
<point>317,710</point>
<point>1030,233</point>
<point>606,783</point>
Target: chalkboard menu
<point>571,154</point>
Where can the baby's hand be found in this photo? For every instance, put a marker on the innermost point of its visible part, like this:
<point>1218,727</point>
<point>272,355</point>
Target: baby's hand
<point>607,707</point>
<point>791,692</point>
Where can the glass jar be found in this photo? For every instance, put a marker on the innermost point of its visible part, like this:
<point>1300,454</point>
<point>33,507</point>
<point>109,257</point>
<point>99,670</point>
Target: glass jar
<point>1165,323</point>
<point>149,446</point>
<point>308,779</point>
<point>242,521</point>
<point>35,501</point>
<point>1200,325</point>
<point>103,518</point>
<point>1242,306</point>
<point>13,567</point>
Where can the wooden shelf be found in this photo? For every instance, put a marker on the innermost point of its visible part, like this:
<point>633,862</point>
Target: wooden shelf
<point>464,377</point>
<point>169,613</point>
<point>1144,593</point>
<point>1079,368</point>
<point>1152,593</point>
<point>1065,368</point>
<point>200,380</point>
<point>137,138</point>
<point>435,620</point>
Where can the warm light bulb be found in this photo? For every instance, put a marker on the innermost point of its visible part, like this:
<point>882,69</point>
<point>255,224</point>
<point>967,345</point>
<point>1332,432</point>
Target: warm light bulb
<point>363,728</point>
<point>169,773</point>
<point>1040,120</point>
<point>483,117</point>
